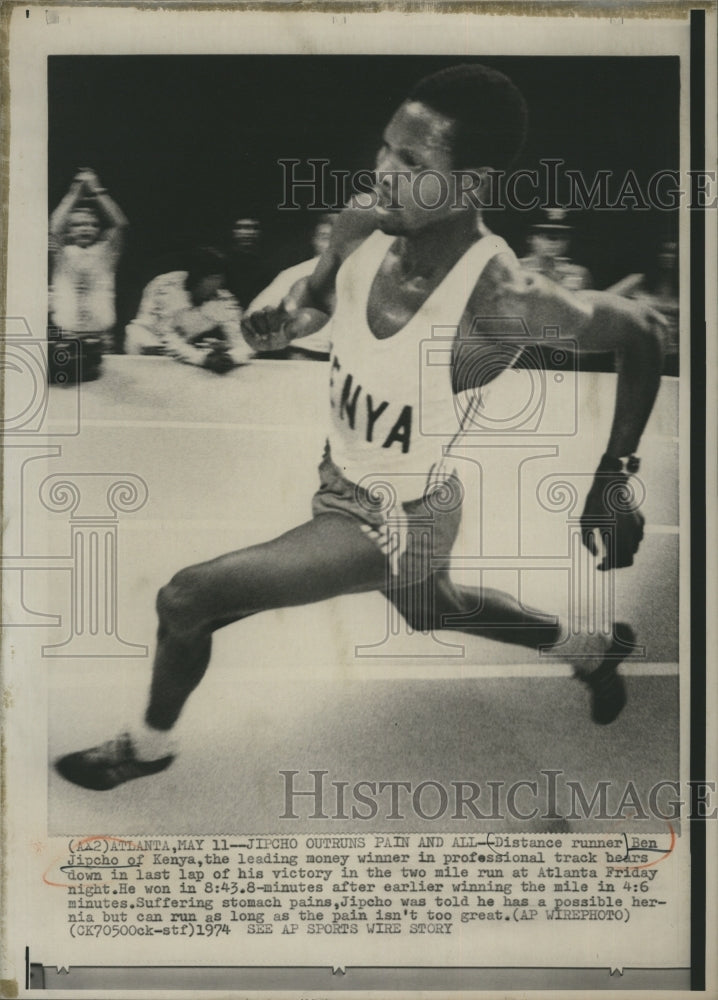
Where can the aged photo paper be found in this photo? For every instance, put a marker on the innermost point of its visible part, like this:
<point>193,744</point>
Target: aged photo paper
<point>355,548</point>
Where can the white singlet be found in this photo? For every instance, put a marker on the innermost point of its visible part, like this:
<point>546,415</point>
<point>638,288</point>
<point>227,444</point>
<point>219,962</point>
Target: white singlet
<point>393,407</point>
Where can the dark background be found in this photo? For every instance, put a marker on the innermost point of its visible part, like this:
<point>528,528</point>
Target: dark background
<point>186,144</point>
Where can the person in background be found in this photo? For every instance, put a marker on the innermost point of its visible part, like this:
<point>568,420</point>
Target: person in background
<point>316,345</point>
<point>549,244</point>
<point>247,272</point>
<point>86,239</point>
<point>659,288</point>
<point>190,316</point>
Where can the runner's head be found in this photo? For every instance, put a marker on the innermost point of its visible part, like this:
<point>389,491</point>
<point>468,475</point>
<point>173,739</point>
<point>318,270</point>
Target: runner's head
<point>464,118</point>
<point>488,110</point>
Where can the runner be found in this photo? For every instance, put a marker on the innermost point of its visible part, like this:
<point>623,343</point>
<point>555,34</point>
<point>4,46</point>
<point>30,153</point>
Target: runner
<point>397,269</point>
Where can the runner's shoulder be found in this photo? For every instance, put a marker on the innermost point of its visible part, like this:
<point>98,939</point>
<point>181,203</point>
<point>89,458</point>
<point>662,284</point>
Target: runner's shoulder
<point>355,223</point>
<point>505,285</point>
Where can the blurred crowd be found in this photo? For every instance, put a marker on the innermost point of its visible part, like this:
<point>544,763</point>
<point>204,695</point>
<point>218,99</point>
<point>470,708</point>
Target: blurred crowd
<point>192,306</point>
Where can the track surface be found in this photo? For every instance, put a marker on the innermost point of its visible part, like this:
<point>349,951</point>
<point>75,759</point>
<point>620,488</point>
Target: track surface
<point>232,461</point>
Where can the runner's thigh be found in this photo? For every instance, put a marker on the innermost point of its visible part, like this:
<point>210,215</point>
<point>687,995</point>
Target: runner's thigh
<point>317,560</point>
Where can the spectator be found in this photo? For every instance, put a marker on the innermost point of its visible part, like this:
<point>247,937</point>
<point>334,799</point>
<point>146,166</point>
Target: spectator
<point>247,273</point>
<point>549,244</point>
<point>86,236</point>
<point>189,316</point>
<point>317,344</point>
<point>659,288</point>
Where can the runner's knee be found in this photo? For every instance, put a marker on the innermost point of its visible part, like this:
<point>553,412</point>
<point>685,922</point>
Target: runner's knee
<point>178,602</point>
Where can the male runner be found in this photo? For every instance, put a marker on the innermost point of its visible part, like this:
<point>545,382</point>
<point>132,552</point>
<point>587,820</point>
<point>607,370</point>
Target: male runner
<point>397,270</point>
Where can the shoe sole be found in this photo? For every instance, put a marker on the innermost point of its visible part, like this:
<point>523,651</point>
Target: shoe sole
<point>104,777</point>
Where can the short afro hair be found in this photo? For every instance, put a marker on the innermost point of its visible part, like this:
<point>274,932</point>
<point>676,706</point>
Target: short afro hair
<point>489,109</point>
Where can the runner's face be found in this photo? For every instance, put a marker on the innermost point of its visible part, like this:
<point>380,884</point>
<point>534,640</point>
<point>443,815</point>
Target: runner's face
<point>413,170</point>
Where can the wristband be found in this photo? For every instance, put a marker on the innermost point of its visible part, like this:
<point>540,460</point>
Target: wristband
<point>629,465</point>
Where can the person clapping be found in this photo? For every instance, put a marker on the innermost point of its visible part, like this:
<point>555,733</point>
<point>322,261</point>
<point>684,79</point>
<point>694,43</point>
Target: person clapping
<point>86,239</point>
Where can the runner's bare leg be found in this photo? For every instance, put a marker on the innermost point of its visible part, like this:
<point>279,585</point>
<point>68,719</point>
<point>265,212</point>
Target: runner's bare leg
<point>323,558</point>
<point>439,603</point>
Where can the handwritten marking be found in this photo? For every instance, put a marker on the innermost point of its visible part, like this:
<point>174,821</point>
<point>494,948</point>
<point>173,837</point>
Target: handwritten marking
<point>646,850</point>
<point>85,840</point>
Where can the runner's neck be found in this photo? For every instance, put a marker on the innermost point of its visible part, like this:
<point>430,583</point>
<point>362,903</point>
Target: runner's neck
<point>434,248</point>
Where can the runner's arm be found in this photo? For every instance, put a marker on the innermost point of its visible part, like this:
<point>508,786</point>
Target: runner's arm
<point>308,305</point>
<point>598,322</point>
<point>611,523</point>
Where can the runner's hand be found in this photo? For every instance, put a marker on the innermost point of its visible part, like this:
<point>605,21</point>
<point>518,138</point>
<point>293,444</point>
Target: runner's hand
<point>272,329</point>
<point>265,330</point>
<point>612,511</point>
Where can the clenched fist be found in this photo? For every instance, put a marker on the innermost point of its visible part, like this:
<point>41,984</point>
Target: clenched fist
<point>612,511</point>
